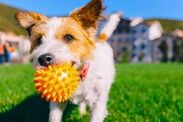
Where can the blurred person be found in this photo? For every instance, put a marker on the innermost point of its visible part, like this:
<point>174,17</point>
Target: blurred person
<point>1,52</point>
<point>7,54</point>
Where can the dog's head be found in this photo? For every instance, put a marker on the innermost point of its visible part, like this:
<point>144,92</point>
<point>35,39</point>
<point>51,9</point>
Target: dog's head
<point>62,39</point>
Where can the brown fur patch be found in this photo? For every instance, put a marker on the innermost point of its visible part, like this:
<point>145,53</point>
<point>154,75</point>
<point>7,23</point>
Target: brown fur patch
<point>89,15</point>
<point>82,45</point>
<point>27,19</point>
<point>103,37</point>
<point>81,24</point>
<point>37,31</point>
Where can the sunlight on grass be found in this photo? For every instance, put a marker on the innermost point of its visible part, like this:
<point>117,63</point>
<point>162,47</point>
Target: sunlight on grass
<point>15,85</point>
<point>141,92</point>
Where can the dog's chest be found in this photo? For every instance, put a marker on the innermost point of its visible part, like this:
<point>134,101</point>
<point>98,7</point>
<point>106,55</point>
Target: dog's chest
<point>99,77</point>
<point>87,90</point>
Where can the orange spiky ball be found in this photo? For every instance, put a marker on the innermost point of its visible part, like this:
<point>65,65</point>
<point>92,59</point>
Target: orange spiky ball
<point>57,83</point>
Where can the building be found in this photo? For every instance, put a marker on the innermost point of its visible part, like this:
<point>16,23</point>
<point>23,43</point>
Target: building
<point>141,42</point>
<point>21,45</point>
<point>168,48</point>
<point>137,41</point>
<point>131,40</point>
<point>121,41</point>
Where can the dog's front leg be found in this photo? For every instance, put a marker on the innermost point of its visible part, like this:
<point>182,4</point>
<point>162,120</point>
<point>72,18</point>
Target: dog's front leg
<point>99,110</point>
<point>56,111</point>
<point>82,108</point>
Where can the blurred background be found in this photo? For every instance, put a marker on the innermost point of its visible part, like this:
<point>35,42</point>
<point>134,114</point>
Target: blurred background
<point>148,32</point>
<point>148,51</point>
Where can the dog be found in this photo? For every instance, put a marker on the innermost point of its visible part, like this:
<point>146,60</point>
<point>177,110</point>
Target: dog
<point>55,40</point>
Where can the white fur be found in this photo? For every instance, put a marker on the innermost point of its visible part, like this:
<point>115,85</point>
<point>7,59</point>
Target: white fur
<point>52,45</point>
<point>94,90</point>
<point>111,24</point>
<point>56,112</point>
<point>82,108</point>
<point>52,26</point>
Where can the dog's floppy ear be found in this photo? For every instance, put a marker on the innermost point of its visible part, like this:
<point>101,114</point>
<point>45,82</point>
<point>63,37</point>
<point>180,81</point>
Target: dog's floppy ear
<point>89,15</point>
<point>29,19</point>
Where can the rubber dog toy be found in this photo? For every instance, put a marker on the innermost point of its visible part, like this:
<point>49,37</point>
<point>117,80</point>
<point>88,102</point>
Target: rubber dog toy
<point>57,83</point>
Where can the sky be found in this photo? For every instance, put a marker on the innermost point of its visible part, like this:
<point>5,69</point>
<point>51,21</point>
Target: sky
<point>171,9</point>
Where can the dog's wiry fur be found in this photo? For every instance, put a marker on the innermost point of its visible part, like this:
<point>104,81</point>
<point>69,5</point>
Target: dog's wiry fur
<point>85,48</point>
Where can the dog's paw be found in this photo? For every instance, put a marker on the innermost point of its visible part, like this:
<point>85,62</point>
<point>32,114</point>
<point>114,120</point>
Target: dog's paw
<point>82,108</point>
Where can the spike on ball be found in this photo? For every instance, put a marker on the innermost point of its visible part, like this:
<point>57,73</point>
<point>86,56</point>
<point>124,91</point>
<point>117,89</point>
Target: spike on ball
<point>57,83</point>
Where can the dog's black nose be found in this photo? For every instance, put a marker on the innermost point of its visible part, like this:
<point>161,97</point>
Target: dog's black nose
<point>45,59</point>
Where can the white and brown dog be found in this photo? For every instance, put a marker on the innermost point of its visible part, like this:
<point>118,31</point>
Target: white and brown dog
<point>72,39</point>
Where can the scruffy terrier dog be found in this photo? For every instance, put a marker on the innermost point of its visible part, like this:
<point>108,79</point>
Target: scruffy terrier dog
<point>72,39</point>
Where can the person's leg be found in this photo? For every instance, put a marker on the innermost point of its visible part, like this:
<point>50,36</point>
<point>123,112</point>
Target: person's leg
<point>7,57</point>
<point>1,59</point>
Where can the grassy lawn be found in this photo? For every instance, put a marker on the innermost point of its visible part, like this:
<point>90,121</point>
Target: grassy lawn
<point>140,93</point>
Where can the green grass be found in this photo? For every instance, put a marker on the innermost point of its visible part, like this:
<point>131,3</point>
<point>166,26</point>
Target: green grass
<point>140,93</point>
<point>15,85</point>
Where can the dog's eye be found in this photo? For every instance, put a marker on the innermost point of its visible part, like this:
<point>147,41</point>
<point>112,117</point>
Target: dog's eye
<point>68,38</point>
<point>39,41</point>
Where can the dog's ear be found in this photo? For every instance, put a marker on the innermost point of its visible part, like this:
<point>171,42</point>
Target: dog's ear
<point>29,19</point>
<point>89,15</point>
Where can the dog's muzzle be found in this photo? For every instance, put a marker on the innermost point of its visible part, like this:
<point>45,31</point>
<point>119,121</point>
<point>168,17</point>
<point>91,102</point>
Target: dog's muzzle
<point>47,59</point>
